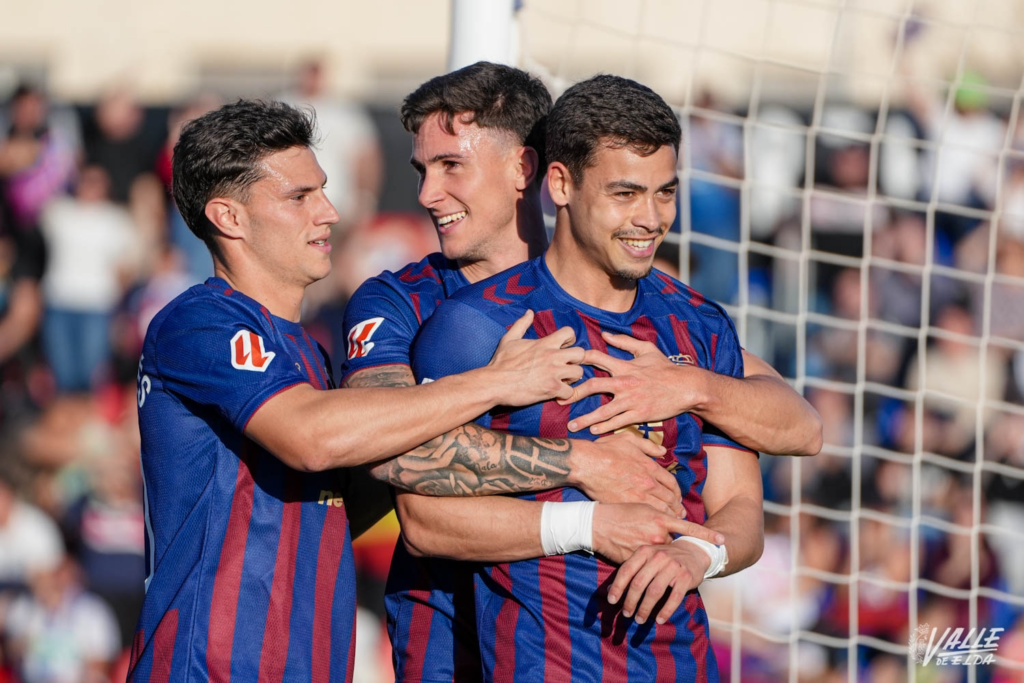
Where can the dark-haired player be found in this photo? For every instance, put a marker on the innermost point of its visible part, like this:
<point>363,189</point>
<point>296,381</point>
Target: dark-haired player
<point>567,614</point>
<point>250,573</point>
<point>476,136</point>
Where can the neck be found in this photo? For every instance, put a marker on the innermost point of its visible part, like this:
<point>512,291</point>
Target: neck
<point>282,299</point>
<point>529,240</point>
<point>581,277</point>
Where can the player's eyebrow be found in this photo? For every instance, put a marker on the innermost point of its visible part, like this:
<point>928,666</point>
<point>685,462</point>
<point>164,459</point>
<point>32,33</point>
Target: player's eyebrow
<point>418,165</point>
<point>305,189</point>
<point>670,185</point>
<point>626,185</point>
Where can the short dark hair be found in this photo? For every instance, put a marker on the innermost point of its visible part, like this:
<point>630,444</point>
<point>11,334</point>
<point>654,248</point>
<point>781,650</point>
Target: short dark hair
<point>608,110</point>
<point>219,154</point>
<point>497,96</point>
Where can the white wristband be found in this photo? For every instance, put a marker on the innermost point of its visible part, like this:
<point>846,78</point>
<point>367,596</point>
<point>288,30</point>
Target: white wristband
<point>719,558</point>
<point>567,527</point>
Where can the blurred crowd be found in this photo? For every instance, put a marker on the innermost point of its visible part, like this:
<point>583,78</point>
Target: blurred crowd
<point>91,247</point>
<point>918,208</point>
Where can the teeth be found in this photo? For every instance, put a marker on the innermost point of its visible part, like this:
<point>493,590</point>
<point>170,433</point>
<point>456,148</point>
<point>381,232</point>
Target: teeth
<point>451,218</point>
<point>319,243</point>
<point>638,244</point>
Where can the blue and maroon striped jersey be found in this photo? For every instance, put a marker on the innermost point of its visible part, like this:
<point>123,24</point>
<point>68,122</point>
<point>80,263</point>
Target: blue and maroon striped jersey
<point>548,618</point>
<point>429,602</point>
<point>249,564</point>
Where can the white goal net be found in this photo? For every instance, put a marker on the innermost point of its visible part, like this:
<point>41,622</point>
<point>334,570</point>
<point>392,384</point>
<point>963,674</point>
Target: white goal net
<point>853,177</point>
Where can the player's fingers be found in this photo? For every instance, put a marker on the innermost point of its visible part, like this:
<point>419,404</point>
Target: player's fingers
<point>651,450</point>
<point>654,593</point>
<point>562,338</point>
<point>630,344</point>
<point>594,385</point>
<point>675,599</point>
<point>572,355</point>
<point>564,392</point>
<point>519,327</point>
<point>637,587</point>
<point>685,528</point>
<point>672,495</point>
<point>625,573</point>
<point>602,360</point>
<point>571,373</point>
<point>622,417</point>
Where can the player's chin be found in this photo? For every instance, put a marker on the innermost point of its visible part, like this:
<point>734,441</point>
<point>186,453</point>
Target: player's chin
<point>634,271</point>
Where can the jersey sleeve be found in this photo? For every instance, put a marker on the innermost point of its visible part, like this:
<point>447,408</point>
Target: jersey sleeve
<point>455,339</point>
<point>726,359</point>
<point>380,326</point>
<point>222,356</point>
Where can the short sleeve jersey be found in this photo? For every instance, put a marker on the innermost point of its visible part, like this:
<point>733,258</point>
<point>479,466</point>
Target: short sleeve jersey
<point>548,618</point>
<point>385,314</point>
<point>249,564</point>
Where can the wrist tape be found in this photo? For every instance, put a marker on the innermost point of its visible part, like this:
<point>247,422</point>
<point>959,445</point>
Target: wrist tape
<point>567,527</point>
<point>717,554</point>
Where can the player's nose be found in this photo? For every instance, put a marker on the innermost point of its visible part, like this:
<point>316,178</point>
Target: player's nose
<point>430,190</point>
<point>646,215</point>
<point>327,215</point>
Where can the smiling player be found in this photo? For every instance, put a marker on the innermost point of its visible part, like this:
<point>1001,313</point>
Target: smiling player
<point>612,147</point>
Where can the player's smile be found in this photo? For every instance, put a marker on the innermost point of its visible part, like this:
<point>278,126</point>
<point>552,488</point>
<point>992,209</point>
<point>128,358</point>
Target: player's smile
<point>322,243</point>
<point>446,223</point>
<point>642,247</point>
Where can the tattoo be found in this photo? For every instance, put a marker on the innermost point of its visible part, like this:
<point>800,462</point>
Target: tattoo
<point>469,460</point>
<point>384,376</point>
<point>473,461</point>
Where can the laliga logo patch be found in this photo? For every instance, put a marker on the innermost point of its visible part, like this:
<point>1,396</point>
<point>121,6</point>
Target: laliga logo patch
<point>359,344</point>
<point>248,352</point>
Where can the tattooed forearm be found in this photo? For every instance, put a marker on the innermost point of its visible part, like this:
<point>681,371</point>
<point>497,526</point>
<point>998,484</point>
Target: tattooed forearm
<point>470,460</point>
<point>384,376</point>
<point>474,461</point>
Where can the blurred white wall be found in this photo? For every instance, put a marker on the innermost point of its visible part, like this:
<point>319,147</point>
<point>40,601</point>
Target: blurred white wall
<point>166,49</point>
<point>378,50</point>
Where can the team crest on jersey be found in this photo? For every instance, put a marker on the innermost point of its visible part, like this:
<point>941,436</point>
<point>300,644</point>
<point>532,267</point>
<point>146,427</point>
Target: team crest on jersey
<point>682,359</point>
<point>359,344</point>
<point>248,352</point>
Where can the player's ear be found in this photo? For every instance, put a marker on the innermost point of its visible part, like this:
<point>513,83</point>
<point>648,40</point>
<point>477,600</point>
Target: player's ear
<point>559,183</point>
<point>226,215</point>
<point>527,168</point>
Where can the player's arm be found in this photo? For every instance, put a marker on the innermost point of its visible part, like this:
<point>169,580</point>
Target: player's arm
<point>314,430</point>
<point>504,529</point>
<point>759,410</point>
<point>471,460</point>
<point>733,499</point>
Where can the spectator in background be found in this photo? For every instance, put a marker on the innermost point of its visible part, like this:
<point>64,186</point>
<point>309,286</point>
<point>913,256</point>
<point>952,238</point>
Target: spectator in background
<point>117,141</point>
<point>348,150</point>
<point>58,632</point>
<point>35,162</point>
<point>952,368</point>
<point>30,542</point>
<point>21,310</point>
<point>93,248</point>
<point>109,529</point>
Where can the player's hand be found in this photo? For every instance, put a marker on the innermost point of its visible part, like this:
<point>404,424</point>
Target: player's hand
<point>649,388</point>
<point>652,571</point>
<point>620,468</point>
<point>533,370</point>
<point>620,529</point>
